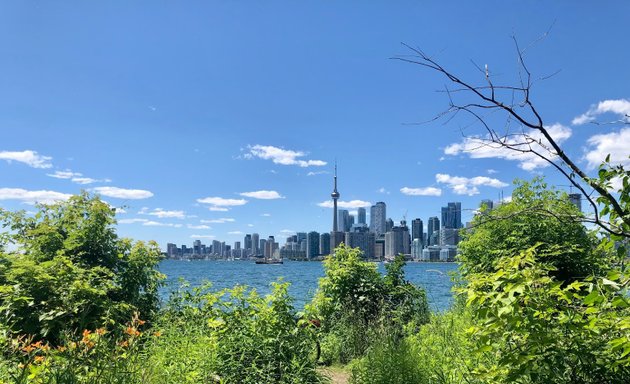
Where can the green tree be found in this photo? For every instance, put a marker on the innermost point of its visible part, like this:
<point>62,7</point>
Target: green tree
<point>67,270</point>
<point>536,216</point>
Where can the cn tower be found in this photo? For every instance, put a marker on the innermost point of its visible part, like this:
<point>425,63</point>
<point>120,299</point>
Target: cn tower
<point>335,195</point>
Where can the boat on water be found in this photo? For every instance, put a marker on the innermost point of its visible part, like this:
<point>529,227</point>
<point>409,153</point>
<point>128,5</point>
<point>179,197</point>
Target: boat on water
<point>269,261</point>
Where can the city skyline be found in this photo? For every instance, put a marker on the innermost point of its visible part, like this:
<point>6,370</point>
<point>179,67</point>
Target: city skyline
<point>220,119</point>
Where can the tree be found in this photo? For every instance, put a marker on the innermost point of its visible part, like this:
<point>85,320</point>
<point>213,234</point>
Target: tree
<point>526,132</point>
<point>68,270</point>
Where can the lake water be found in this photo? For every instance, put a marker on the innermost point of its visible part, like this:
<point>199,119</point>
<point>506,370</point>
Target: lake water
<point>303,276</point>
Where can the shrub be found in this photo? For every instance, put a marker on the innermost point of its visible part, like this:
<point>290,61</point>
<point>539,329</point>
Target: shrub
<point>69,271</point>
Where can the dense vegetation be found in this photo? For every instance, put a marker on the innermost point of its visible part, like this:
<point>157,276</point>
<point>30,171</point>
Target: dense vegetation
<point>540,299</point>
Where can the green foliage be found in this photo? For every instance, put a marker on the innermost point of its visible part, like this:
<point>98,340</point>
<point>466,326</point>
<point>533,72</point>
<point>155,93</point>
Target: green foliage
<point>69,271</point>
<point>354,301</point>
<point>536,216</point>
<point>535,329</point>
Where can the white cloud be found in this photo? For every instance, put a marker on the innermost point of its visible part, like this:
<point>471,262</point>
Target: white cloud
<point>202,226</point>
<point>619,107</point>
<point>481,148</point>
<point>428,191</point>
<point>281,156</point>
<point>28,157</point>
<point>219,221</point>
<point>266,215</point>
<point>32,197</point>
<point>202,236</point>
<point>492,171</point>
<point>314,173</point>
<point>353,204</point>
<point>287,231</point>
<point>159,212</point>
<point>263,194</point>
<point>220,204</point>
<point>76,177</point>
<point>235,233</point>
<point>151,223</point>
<point>468,186</point>
<point>121,193</point>
<point>382,190</point>
<point>617,144</point>
<point>132,221</point>
<point>250,225</point>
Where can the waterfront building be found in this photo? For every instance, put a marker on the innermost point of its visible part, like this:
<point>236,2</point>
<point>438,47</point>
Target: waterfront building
<point>397,241</point>
<point>417,230</point>
<point>378,218</point>
<point>261,247</point>
<point>255,244</point>
<point>171,250</point>
<point>431,253</point>
<point>364,240</point>
<point>216,247</point>
<point>324,244</point>
<point>379,248</point>
<point>449,236</point>
<point>300,236</point>
<point>247,244</point>
<point>488,203</point>
<point>416,249</point>
<point>343,219</point>
<point>389,224</point>
<point>433,226</point>
<point>312,245</point>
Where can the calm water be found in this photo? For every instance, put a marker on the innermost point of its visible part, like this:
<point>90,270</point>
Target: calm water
<point>303,277</point>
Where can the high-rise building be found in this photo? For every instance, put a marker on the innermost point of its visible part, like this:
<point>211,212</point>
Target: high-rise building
<point>389,224</point>
<point>576,199</point>
<point>377,218</point>
<point>312,244</point>
<point>261,247</point>
<point>433,226</point>
<point>361,216</point>
<point>488,203</point>
<point>417,231</point>
<point>324,244</point>
<point>247,243</point>
<point>364,240</point>
<point>197,247</point>
<point>416,249</point>
<point>452,215</point>
<point>343,220</point>
<point>237,245</point>
<point>216,247</point>
<point>397,241</point>
<point>255,244</point>
<point>449,236</point>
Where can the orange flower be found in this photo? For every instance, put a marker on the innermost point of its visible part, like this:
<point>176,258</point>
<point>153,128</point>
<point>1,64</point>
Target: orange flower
<point>86,333</point>
<point>131,331</point>
<point>39,359</point>
<point>100,331</point>
<point>124,343</point>
<point>157,333</point>
<point>28,348</point>
<point>61,348</point>
<point>141,322</point>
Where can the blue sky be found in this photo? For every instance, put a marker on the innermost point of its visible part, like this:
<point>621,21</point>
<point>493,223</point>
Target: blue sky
<point>213,119</point>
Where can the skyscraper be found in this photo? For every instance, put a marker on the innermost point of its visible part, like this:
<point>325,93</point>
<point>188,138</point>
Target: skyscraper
<point>255,242</point>
<point>377,218</point>
<point>343,220</point>
<point>361,216</point>
<point>576,199</point>
<point>312,245</point>
<point>432,227</point>
<point>417,230</point>
<point>324,244</point>
<point>452,215</point>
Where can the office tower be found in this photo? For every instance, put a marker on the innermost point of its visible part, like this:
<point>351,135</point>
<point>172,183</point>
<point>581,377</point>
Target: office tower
<point>336,236</point>
<point>452,215</point>
<point>350,222</point>
<point>389,224</point>
<point>416,249</point>
<point>432,227</point>
<point>361,216</point>
<point>255,242</point>
<point>312,244</point>
<point>343,220</point>
<point>261,247</point>
<point>237,245</point>
<point>247,243</point>
<point>300,237</point>
<point>397,241</point>
<point>377,218</point>
<point>171,249</point>
<point>576,199</point>
<point>417,229</point>
<point>488,203</point>
<point>268,247</point>
<point>449,236</point>
<point>197,247</point>
<point>216,247</point>
<point>324,244</point>
<point>364,240</point>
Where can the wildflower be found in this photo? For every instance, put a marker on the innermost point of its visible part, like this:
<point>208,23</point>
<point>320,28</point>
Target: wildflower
<point>61,348</point>
<point>131,331</point>
<point>86,333</point>
<point>124,343</point>
<point>100,331</point>
<point>21,366</point>
<point>141,322</point>
<point>39,359</point>
<point>157,333</point>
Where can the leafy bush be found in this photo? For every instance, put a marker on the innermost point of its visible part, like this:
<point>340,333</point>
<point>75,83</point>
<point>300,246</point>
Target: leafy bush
<point>354,302</point>
<point>69,271</point>
<point>535,216</point>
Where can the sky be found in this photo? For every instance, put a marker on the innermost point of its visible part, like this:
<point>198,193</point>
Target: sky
<point>208,120</point>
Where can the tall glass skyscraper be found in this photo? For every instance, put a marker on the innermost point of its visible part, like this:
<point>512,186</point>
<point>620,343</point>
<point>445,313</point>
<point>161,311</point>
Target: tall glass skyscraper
<point>378,216</point>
